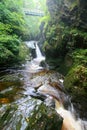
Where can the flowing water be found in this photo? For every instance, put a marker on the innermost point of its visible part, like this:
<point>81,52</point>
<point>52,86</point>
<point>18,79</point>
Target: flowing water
<point>31,79</point>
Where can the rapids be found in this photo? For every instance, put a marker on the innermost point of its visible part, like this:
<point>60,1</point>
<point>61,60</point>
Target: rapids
<point>69,122</point>
<point>33,80</point>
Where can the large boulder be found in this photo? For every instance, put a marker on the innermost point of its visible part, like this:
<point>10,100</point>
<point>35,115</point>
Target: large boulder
<point>29,114</point>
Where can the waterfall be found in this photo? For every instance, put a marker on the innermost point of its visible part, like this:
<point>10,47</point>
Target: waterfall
<point>34,64</point>
<point>39,56</point>
<point>69,120</point>
<point>38,52</point>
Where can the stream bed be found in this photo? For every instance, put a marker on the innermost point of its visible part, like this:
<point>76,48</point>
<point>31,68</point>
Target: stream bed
<point>26,88</point>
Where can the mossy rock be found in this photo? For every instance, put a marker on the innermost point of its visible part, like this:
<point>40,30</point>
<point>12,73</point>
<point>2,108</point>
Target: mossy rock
<point>29,114</point>
<point>76,85</point>
<point>44,118</point>
<point>76,81</point>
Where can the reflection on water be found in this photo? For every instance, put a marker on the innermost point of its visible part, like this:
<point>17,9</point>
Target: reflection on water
<point>9,90</point>
<point>4,100</point>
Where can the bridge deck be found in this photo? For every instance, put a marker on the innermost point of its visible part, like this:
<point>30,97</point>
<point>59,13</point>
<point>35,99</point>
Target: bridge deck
<point>40,14</point>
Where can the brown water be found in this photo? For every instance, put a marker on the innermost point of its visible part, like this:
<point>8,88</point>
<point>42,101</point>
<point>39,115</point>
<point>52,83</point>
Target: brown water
<point>30,79</point>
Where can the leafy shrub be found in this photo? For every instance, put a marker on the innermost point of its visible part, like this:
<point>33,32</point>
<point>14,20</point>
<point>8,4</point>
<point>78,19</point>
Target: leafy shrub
<point>5,55</point>
<point>12,29</point>
<point>79,56</point>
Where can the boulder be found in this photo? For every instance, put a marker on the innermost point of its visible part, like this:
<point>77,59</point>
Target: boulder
<point>29,114</point>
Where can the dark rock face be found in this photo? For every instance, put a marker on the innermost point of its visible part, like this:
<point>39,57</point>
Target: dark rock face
<point>71,13</point>
<point>29,114</point>
<point>79,12</point>
<point>66,35</point>
<point>83,3</point>
<point>33,53</point>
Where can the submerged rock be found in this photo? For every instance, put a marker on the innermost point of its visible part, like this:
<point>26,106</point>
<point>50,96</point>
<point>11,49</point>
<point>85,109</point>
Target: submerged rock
<point>29,114</point>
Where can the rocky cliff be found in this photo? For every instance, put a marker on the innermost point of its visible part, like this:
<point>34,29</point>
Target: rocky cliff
<point>65,45</point>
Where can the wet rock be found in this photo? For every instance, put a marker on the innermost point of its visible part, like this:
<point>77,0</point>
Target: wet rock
<point>49,101</point>
<point>76,85</point>
<point>9,91</point>
<point>43,64</point>
<point>53,92</point>
<point>38,85</point>
<point>44,118</point>
<point>29,114</point>
<point>33,53</point>
<point>58,86</point>
<point>10,77</point>
<point>40,96</point>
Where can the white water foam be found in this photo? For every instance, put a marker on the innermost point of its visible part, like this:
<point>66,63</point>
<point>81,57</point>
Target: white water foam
<point>69,122</point>
<point>34,65</point>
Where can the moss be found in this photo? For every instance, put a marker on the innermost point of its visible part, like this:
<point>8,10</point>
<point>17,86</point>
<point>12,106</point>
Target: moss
<point>76,85</point>
<point>66,45</point>
<point>44,118</point>
<point>76,82</point>
<point>32,116</point>
<point>77,77</point>
<point>6,117</point>
<point>79,57</point>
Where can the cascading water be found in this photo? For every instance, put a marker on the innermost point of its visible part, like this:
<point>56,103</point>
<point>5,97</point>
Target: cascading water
<point>70,122</point>
<point>38,52</point>
<point>34,65</point>
<point>39,84</point>
<point>39,56</point>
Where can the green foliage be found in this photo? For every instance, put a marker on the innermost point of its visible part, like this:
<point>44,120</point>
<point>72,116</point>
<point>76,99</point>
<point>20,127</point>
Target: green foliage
<point>79,38</point>
<point>14,18</point>
<point>33,22</point>
<point>9,48</point>
<point>5,28</point>
<point>65,45</point>
<point>56,36</point>
<point>23,52</point>
<point>79,57</point>
<point>10,42</point>
<point>13,28</point>
<point>61,33</point>
<point>72,3</point>
<point>4,53</point>
<point>76,82</point>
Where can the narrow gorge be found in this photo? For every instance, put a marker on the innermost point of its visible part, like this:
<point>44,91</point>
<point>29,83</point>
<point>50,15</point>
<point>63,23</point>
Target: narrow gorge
<point>43,65</point>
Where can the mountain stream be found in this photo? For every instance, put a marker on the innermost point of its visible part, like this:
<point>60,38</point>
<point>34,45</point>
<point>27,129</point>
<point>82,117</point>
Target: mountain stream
<point>33,80</point>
